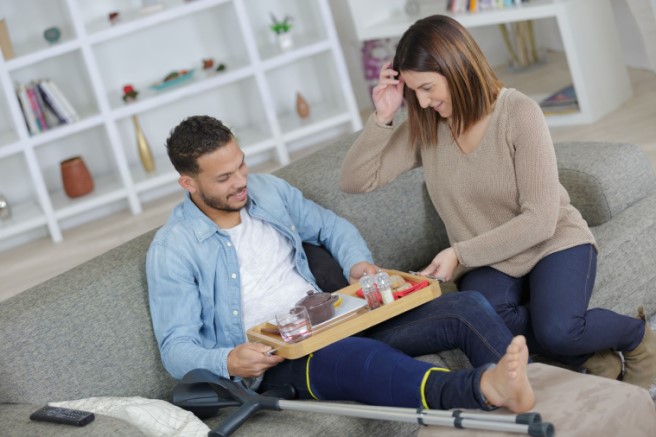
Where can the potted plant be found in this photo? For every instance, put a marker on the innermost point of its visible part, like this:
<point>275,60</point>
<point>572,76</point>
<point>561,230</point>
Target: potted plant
<point>282,29</point>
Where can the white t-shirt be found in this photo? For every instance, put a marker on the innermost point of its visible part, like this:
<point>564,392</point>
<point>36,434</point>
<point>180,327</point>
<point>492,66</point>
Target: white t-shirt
<point>269,280</point>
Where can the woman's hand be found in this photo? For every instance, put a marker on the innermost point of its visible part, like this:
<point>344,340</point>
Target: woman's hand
<point>387,94</point>
<point>359,269</point>
<point>443,265</point>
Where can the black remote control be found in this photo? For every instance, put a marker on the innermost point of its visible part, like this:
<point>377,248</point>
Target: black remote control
<point>63,415</point>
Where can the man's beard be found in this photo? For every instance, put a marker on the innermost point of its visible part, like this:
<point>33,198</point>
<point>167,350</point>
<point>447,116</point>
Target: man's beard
<point>214,202</point>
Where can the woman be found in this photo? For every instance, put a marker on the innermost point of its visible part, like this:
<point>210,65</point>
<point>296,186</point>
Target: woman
<point>490,169</point>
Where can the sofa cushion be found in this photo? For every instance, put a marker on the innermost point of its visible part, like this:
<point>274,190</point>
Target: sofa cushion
<point>84,333</point>
<point>15,420</point>
<point>577,405</point>
<point>603,179</point>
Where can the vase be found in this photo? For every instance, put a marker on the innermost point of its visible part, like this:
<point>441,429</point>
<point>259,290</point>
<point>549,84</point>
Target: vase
<point>76,177</point>
<point>285,40</point>
<point>302,106</point>
<point>145,155</point>
<point>5,209</point>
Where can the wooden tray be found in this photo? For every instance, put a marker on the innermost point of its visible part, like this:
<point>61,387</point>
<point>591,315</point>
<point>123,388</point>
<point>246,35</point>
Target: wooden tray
<point>348,324</point>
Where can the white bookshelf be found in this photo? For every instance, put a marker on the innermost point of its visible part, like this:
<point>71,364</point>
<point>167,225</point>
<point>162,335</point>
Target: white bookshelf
<point>255,95</point>
<point>586,28</point>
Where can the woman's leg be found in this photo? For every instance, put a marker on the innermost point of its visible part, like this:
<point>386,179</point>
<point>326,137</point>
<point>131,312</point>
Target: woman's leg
<point>463,321</point>
<point>507,295</point>
<point>561,285</point>
<point>368,371</point>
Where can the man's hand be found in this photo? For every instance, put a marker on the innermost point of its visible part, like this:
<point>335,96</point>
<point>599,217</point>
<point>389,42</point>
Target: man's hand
<point>250,360</point>
<point>359,269</point>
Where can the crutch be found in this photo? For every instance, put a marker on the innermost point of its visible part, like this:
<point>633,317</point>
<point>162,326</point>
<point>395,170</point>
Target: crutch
<point>231,393</point>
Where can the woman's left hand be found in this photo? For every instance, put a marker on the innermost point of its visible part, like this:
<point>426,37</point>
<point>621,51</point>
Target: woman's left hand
<point>443,265</point>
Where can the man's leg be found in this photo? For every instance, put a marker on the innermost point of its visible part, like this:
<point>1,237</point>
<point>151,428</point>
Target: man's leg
<point>371,372</point>
<point>463,320</point>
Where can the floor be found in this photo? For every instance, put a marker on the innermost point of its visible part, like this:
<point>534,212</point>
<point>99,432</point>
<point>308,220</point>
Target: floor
<point>32,263</point>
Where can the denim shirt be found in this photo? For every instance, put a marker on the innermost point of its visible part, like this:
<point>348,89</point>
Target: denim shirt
<point>193,273</point>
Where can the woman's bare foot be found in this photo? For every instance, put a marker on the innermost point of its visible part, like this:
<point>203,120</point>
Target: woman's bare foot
<point>507,385</point>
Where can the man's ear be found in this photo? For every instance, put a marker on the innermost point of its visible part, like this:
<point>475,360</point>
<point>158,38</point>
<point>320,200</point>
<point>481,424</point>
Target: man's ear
<point>188,183</point>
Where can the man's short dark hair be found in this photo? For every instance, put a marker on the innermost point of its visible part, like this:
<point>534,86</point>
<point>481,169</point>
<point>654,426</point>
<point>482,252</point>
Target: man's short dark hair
<point>194,137</point>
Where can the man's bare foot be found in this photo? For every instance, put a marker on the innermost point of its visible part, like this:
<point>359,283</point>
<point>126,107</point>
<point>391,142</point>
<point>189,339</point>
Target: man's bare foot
<point>507,385</point>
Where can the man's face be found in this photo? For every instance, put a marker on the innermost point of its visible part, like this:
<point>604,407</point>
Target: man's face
<point>221,182</point>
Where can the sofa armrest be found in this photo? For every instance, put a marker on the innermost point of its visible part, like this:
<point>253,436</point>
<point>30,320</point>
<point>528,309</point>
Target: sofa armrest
<point>603,179</point>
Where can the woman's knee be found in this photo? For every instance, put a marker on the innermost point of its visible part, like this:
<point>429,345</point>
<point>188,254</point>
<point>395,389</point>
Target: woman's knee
<point>558,338</point>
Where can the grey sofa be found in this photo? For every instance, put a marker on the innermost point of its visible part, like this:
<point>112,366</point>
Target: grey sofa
<point>87,332</point>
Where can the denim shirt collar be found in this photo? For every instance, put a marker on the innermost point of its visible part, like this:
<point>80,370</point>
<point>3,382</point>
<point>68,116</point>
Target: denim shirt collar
<point>202,226</point>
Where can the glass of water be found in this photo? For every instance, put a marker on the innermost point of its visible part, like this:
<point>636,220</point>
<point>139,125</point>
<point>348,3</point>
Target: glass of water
<point>294,324</point>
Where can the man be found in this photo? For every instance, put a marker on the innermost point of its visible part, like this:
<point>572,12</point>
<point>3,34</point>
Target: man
<point>230,256</point>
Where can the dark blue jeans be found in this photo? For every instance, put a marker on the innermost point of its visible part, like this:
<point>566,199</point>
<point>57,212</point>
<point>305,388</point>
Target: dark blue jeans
<point>549,306</point>
<point>376,367</point>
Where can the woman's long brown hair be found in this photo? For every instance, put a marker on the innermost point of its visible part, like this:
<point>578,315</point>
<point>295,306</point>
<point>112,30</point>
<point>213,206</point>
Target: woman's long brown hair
<point>439,44</point>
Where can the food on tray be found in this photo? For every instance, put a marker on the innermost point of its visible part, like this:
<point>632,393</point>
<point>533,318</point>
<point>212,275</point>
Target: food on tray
<point>397,281</point>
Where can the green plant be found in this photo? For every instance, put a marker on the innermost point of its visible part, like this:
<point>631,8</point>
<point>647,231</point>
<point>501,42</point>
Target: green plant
<point>280,26</point>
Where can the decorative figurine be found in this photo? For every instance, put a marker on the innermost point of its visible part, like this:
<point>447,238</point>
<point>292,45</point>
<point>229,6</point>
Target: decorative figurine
<point>208,63</point>
<point>129,93</point>
<point>302,106</point>
<point>52,34</point>
<point>221,67</point>
<point>114,17</point>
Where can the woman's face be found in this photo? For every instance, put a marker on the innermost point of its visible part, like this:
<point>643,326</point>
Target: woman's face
<point>431,89</point>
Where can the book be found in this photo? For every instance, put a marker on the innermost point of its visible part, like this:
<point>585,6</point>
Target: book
<point>26,106</point>
<point>36,109</point>
<point>50,117</point>
<point>563,97</point>
<point>71,114</point>
<point>51,103</point>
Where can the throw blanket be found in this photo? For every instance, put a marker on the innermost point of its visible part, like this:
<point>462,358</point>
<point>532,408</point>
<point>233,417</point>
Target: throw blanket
<point>153,417</point>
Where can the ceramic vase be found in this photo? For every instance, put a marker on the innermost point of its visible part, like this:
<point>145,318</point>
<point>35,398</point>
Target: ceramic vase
<point>285,40</point>
<point>302,106</point>
<point>145,154</point>
<point>5,209</point>
<point>76,178</point>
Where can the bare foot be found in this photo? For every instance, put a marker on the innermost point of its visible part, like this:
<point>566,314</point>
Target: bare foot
<point>507,385</point>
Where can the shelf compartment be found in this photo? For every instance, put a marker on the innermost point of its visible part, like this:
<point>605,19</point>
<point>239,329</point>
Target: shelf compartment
<point>94,147</point>
<point>25,211</point>
<point>25,217</point>
<point>8,134</point>
<point>307,24</point>
<point>27,36</point>
<point>72,79</point>
<point>131,19</point>
<point>189,39</point>
<point>327,105</point>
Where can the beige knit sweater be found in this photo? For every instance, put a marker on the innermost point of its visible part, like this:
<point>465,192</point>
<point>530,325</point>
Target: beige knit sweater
<point>503,205</point>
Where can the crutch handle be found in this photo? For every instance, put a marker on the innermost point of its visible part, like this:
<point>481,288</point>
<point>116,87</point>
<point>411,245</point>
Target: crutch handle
<point>542,429</point>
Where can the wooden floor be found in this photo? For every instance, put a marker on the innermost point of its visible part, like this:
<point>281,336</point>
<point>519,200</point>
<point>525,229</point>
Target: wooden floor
<point>32,263</point>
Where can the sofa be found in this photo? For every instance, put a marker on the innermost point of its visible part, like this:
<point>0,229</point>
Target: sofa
<point>87,332</point>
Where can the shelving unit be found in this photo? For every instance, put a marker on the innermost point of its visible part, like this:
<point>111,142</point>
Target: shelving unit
<point>586,27</point>
<point>94,59</point>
